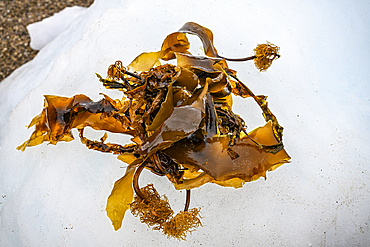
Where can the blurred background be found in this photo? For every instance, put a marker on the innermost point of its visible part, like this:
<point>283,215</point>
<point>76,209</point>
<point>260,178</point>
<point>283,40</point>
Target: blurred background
<point>15,15</point>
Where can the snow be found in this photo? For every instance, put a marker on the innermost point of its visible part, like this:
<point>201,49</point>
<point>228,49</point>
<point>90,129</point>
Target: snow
<point>41,33</point>
<point>318,89</point>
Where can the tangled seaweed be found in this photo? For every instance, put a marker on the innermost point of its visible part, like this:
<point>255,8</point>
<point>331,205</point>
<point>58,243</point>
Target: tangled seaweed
<point>265,54</point>
<point>153,210</point>
<point>182,126</point>
<point>183,223</point>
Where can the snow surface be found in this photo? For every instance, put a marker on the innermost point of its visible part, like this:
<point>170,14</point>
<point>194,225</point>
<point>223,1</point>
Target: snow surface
<point>318,89</point>
<point>42,32</point>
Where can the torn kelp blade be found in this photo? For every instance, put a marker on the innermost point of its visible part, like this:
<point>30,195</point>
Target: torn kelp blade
<point>61,114</point>
<point>218,159</point>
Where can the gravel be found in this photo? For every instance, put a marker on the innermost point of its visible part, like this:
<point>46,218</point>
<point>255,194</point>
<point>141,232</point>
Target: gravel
<point>15,15</point>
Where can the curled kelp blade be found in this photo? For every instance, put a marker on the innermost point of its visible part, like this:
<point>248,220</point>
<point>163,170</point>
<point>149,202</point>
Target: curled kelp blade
<point>185,78</point>
<point>175,42</point>
<point>164,112</point>
<point>205,35</point>
<point>184,121</point>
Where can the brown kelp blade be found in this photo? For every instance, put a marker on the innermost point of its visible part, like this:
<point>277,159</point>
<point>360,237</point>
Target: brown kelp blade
<point>61,114</point>
<point>213,155</point>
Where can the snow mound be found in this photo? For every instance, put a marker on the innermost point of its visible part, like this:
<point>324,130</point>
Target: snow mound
<point>42,32</point>
<point>318,89</point>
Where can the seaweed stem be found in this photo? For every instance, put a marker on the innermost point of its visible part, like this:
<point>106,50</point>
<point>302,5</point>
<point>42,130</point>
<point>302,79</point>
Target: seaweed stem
<point>248,58</point>
<point>239,59</point>
<point>135,183</point>
<point>157,163</point>
<point>187,203</point>
<point>133,75</point>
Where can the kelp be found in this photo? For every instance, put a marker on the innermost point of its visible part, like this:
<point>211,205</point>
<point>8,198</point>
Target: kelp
<point>182,126</point>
